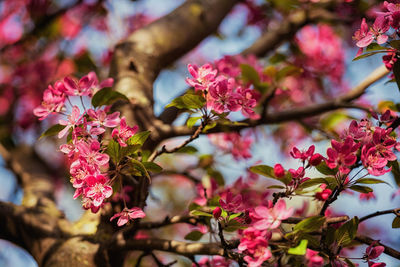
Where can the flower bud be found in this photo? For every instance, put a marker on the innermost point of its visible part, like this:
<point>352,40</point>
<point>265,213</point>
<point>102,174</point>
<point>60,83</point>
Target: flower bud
<point>217,212</point>
<point>316,159</point>
<point>279,171</point>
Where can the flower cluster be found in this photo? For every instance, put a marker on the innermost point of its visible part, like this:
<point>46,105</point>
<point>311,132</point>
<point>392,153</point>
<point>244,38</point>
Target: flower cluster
<point>86,144</point>
<point>372,253</point>
<point>234,143</point>
<point>223,92</point>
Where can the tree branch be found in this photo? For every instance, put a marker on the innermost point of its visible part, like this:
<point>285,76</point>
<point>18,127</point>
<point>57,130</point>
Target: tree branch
<point>379,213</point>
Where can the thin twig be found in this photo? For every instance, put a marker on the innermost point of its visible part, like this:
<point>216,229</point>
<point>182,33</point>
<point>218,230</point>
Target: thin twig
<point>378,213</point>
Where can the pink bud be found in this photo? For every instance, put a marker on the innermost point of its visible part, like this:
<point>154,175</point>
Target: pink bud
<point>217,212</point>
<point>279,171</point>
<point>316,159</point>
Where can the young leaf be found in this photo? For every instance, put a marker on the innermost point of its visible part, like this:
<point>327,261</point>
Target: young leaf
<point>187,150</point>
<point>53,130</point>
<point>194,235</point>
<point>371,181</point>
<point>153,167</point>
<point>107,96</point>
<point>347,232</point>
<point>361,188</point>
<point>200,213</point>
<point>324,169</point>
<point>113,150</point>
<point>396,72</point>
<point>264,170</point>
<point>140,167</point>
<point>192,121</point>
<point>310,224</point>
<point>139,138</point>
<point>396,222</point>
<point>249,74</point>
<point>300,249</point>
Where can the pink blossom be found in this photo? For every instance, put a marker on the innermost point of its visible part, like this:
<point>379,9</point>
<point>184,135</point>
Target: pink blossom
<point>74,119</point>
<point>313,260</point>
<point>230,203</point>
<point>248,101</point>
<point>373,161</point>
<point>96,86</point>
<point>303,155</point>
<point>202,77</point>
<point>316,159</point>
<point>367,196</point>
<point>100,118</point>
<point>97,190</point>
<point>128,214</point>
<point>254,243</point>
<point>217,213</point>
<point>53,101</point>
<point>124,132</point>
<point>381,25</point>
<point>270,217</point>
<point>372,252</point>
<point>279,171</point>
<point>78,88</point>
<point>342,154</point>
<point>217,261</point>
<point>90,152</point>
<point>239,146</point>
<point>324,194</point>
<point>221,97</point>
<point>363,36</point>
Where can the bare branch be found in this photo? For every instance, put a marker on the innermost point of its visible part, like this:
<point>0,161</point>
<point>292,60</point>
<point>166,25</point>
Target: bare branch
<point>379,213</point>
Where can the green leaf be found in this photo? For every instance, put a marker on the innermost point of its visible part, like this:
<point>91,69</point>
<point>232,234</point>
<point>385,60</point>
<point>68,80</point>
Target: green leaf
<point>324,169</point>
<point>107,96</point>
<point>192,121</point>
<point>153,167</point>
<point>310,224</point>
<point>194,235</point>
<point>288,71</point>
<point>371,181</point>
<point>113,150</point>
<point>395,44</point>
<point>187,150</point>
<point>330,121</point>
<point>277,58</point>
<point>209,126</point>
<point>217,175</point>
<point>139,138</point>
<point>376,47</point>
<point>233,225</point>
<point>276,187</point>
<point>361,188</point>
<point>396,222</point>
<point>347,232</point>
<point>53,130</point>
<point>268,171</point>
<point>300,249</point>
<point>249,74</point>
<point>200,213</point>
<point>396,72</point>
<point>188,101</point>
<point>395,171</point>
<point>313,182</point>
<point>140,167</point>
<point>368,55</point>
<point>235,215</point>
<point>194,206</point>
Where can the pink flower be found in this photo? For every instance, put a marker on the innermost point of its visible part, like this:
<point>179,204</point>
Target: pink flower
<point>230,203</point>
<point>217,213</point>
<point>324,193</point>
<point>100,118</point>
<point>270,217</point>
<point>342,154</point>
<point>73,120</point>
<point>279,171</point>
<point>363,36</point>
<point>53,101</point>
<point>313,260</point>
<point>372,252</point>
<point>124,132</point>
<point>303,155</point>
<point>254,243</point>
<point>78,88</point>
<point>248,101</point>
<point>90,153</point>
<point>97,190</point>
<point>373,161</point>
<point>96,86</point>
<point>381,25</point>
<point>316,159</point>
<point>221,97</point>
<point>367,196</point>
<point>202,77</point>
<point>128,214</point>
<point>217,261</point>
